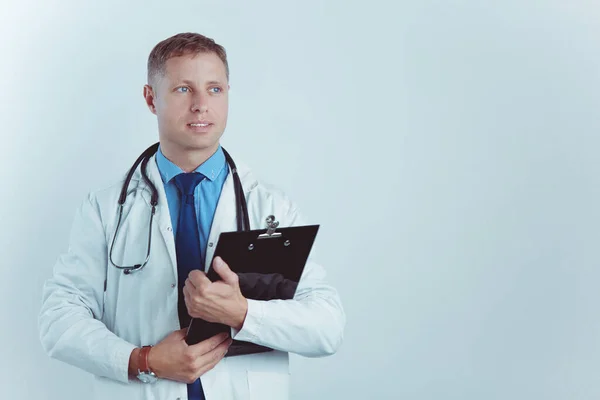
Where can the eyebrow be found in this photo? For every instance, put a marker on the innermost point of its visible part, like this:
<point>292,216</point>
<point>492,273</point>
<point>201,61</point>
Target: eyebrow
<point>188,82</point>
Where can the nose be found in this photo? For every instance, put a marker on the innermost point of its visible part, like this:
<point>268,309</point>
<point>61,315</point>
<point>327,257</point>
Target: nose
<point>199,104</point>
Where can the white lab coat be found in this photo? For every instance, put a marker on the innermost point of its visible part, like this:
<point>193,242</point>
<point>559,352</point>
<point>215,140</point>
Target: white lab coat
<point>83,325</point>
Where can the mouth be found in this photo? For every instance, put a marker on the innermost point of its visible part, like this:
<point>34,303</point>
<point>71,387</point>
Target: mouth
<point>200,127</point>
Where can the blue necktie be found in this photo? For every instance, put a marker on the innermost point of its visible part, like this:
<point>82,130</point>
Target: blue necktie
<point>189,254</point>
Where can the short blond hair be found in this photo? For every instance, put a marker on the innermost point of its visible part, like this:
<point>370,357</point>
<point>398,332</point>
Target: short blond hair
<point>179,45</point>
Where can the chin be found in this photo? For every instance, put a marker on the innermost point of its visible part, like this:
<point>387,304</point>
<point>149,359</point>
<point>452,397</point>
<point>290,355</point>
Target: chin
<point>202,144</point>
<point>185,141</point>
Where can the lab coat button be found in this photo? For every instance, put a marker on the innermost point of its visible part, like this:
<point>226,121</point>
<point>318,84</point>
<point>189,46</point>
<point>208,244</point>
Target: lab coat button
<point>169,229</point>
<point>210,244</point>
<point>172,285</point>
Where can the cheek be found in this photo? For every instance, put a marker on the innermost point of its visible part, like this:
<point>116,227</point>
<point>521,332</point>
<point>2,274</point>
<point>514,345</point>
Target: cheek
<point>171,112</point>
<point>221,108</point>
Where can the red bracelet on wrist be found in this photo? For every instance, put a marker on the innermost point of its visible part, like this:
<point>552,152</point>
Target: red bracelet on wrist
<point>143,360</point>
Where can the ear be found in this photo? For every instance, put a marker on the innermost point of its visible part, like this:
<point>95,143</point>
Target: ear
<point>149,97</point>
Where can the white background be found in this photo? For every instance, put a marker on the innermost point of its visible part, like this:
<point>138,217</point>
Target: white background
<point>449,149</point>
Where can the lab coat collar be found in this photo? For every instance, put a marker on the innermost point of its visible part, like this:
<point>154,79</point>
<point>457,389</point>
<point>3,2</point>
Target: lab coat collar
<point>225,214</point>
<point>211,168</point>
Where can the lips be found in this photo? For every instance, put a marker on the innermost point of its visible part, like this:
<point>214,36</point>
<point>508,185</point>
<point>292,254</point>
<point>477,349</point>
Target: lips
<point>201,124</point>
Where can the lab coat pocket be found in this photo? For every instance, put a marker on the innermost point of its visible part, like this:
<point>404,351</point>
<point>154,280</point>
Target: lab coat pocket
<point>269,385</point>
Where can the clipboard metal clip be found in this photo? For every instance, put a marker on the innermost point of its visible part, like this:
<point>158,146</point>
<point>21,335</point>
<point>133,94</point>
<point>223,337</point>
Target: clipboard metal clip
<point>271,227</point>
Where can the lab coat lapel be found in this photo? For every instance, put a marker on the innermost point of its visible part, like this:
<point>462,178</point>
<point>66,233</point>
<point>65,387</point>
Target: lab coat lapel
<point>224,219</point>
<point>162,212</point>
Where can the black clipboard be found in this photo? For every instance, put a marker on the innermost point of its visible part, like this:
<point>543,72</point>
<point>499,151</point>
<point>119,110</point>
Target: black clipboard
<point>269,263</point>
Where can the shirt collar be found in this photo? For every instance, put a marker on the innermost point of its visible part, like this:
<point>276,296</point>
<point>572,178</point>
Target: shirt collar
<point>210,168</point>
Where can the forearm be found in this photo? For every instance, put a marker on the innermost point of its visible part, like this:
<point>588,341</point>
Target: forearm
<point>311,327</point>
<point>70,320</point>
<point>311,324</point>
<point>69,332</point>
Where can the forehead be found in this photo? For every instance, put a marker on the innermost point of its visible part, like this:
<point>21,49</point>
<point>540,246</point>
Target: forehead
<point>199,67</point>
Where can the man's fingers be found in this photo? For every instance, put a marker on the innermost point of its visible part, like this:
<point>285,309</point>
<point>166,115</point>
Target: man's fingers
<point>219,352</point>
<point>213,357</point>
<point>224,271</point>
<point>186,298</point>
<point>197,279</point>
<point>187,292</point>
<point>210,344</point>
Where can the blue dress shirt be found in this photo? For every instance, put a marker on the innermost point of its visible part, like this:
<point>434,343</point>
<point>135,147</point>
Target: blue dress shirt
<point>206,195</point>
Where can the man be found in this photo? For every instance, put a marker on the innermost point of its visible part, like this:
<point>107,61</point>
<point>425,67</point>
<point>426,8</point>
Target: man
<point>128,330</point>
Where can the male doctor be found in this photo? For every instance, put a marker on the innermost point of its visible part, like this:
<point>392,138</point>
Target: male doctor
<point>128,330</point>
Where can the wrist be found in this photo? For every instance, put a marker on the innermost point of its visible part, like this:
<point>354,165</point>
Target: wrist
<point>241,316</point>
<point>133,362</point>
<point>145,373</point>
<point>152,361</point>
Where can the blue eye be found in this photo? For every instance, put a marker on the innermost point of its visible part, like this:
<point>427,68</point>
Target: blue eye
<point>180,89</point>
<point>217,88</point>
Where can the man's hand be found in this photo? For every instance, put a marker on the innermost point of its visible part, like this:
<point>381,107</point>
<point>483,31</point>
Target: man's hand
<point>173,359</point>
<point>221,301</point>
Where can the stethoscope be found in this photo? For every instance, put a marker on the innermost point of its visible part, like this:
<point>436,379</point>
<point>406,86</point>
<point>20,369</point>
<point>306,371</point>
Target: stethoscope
<point>243,223</point>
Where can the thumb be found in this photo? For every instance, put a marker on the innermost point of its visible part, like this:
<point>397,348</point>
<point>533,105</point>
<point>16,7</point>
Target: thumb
<point>180,334</point>
<point>224,271</point>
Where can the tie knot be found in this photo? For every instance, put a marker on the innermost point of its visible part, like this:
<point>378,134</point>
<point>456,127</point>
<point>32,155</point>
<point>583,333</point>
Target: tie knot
<point>187,182</point>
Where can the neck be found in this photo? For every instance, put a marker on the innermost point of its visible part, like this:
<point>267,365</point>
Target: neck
<point>187,159</point>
